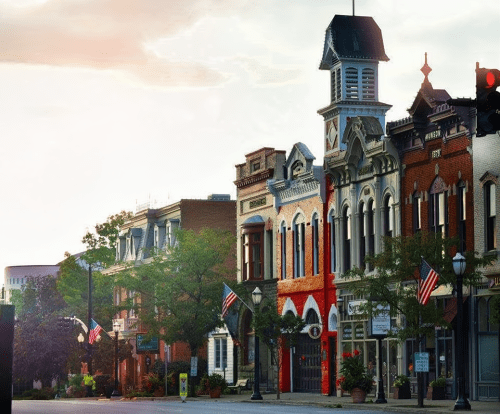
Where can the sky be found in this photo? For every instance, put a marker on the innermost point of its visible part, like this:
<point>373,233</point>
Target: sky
<point>107,104</point>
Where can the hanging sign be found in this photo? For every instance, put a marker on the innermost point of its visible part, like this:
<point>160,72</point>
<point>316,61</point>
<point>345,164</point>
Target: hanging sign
<point>380,323</point>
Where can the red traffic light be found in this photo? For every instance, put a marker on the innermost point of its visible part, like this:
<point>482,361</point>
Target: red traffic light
<point>488,78</point>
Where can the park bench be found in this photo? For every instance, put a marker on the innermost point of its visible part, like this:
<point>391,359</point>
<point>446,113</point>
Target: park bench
<point>240,385</point>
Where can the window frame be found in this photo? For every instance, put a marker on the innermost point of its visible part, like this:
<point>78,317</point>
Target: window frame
<point>248,252</point>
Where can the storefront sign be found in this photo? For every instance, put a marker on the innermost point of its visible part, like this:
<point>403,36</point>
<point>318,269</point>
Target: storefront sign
<point>359,332</point>
<point>353,307</point>
<point>421,362</point>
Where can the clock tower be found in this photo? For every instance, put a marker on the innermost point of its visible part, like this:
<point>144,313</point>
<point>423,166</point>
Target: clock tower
<point>353,47</point>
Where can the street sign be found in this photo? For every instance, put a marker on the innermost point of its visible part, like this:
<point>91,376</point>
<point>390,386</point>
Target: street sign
<point>183,386</point>
<point>194,366</point>
<point>421,362</point>
<point>150,346</point>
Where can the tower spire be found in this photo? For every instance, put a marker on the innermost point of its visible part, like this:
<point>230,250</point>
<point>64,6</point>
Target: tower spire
<point>426,69</point>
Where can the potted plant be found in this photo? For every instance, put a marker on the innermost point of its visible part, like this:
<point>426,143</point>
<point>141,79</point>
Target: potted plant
<point>216,384</point>
<point>353,377</point>
<point>437,389</point>
<point>402,388</point>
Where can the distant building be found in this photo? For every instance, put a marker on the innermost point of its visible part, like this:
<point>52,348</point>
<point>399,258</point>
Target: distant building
<point>16,276</point>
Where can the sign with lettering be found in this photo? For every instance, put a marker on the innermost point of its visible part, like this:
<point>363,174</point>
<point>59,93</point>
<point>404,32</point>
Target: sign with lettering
<point>353,307</point>
<point>359,331</point>
<point>433,135</point>
<point>380,323</point>
<point>421,362</point>
<point>150,346</point>
<point>194,366</point>
<point>347,332</point>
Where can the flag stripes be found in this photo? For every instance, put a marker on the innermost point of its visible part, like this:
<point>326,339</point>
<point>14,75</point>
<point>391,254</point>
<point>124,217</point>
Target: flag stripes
<point>428,280</point>
<point>95,330</point>
<point>228,298</point>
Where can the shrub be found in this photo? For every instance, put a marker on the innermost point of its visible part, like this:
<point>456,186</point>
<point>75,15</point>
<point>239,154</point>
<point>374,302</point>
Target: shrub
<point>100,383</point>
<point>438,382</point>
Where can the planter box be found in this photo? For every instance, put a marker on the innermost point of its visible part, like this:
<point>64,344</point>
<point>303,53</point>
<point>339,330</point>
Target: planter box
<point>436,393</point>
<point>403,392</point>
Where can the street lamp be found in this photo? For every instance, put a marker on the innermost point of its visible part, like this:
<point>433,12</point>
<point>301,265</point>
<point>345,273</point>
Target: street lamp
<point>256,299</point>
<point>459,268</point>
<point>116,329</point>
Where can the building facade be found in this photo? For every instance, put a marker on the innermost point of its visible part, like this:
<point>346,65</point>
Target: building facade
<point>435,145</point>
<point>16,276</point>
<point>304,287</point>
<point>257,232</point>
<point>155,228</point>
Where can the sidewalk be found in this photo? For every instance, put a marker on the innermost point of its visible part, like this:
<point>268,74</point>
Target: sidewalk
<point>394,406</point>
<point>319,400</point>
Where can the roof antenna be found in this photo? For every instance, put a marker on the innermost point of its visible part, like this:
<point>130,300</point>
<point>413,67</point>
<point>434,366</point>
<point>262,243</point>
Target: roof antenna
<point>353,7</point>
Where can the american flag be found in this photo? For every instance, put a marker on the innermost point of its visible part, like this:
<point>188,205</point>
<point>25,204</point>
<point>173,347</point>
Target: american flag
<point>428,280</point>
<point>95,330</point>
<point>228,298</point>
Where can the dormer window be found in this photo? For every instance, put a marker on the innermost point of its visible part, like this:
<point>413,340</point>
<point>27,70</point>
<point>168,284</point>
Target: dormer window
<point>297,168</point>
<point>255,166</point>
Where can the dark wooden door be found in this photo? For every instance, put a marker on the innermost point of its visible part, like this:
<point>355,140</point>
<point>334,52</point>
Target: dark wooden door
<point>307,365</point>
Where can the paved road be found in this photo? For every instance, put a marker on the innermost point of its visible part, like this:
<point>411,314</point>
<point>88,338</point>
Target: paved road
<point>170,407</point>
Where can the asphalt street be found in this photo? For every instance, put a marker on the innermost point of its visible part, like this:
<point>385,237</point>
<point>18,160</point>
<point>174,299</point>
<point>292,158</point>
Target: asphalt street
<point>174,407</point>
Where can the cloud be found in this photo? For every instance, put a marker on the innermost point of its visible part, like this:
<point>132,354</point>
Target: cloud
<point>109,34</point>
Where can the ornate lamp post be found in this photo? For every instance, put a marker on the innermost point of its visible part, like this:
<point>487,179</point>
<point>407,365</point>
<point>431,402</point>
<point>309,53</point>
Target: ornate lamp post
<point>256,299</point>
<point>116,329</point>
<point>459,268</point>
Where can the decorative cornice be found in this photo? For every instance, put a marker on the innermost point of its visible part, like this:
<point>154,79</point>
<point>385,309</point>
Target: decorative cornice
<point>254,178</point>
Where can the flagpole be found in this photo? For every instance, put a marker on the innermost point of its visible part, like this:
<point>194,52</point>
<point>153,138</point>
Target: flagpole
<point>89,364</point>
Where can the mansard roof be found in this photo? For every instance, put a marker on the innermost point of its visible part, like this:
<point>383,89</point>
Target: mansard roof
<point>352,37</point>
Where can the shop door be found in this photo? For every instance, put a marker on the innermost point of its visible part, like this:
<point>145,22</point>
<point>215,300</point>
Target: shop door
<point>333,366</point>
<point>307,365</point>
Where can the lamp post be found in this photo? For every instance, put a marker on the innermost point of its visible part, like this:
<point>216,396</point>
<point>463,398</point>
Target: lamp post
<point>256,299</point>
<point>459,268</point>
<point>116,329</point>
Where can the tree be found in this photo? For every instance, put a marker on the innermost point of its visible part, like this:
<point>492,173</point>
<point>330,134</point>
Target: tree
<point>72,284</point>
<point>101,245</point>
<point>394,282</point>
<point>278,332</point>
<point>41,347</point>
<point>178,294</point>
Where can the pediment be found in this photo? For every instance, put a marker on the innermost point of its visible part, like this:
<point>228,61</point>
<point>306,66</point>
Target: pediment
<point>299,162</point>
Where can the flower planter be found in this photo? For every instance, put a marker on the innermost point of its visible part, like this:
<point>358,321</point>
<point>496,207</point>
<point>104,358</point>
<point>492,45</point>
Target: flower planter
<point>358,395</point>
<point>215,393</point>
<point>436,393</point>
<point>403,392</point>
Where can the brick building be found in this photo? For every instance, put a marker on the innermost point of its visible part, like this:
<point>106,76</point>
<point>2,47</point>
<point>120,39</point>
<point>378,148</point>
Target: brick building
<point>435,145</point>
<point>257,231</point>
<point>155,228</point>
<point>304,287</point>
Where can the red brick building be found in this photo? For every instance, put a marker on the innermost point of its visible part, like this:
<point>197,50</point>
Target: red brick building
<point>304,286</point>
<point>435,145</point>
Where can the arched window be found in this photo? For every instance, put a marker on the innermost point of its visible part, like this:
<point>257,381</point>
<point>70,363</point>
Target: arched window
<point>351,84</point>
<point>333,251</point>
<point>417,212</point>
<point>283,251</point>
<point>252,243</point>
<point>438,207</point>
<point>347,239</point>
<point>315,244</point>
<point>362,235</point>
<point>461,216</point>
<point>299,254</point>
<point>388,217</point>
<point>490,215</point>
<point>311,317</point>
<point>368,84</point>
<point>370,231</point>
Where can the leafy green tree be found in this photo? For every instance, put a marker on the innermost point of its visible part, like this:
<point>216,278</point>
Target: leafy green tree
<point>101,245</point>
<point>394,281</point>
<point>278,332</point>
<point>179,293</point>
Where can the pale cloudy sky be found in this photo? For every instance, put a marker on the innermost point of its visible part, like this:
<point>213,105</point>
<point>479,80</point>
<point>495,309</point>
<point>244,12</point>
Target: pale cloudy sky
<point>109,103</point>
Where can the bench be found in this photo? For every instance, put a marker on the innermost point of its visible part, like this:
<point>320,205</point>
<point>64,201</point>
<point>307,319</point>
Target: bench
<point>240,385</point>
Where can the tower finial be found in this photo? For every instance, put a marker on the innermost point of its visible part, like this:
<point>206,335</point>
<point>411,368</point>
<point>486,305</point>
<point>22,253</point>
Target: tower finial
<point>426,69</point>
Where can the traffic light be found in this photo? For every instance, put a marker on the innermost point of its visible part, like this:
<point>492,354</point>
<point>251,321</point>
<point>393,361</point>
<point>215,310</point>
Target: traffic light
<point>487,101</point>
